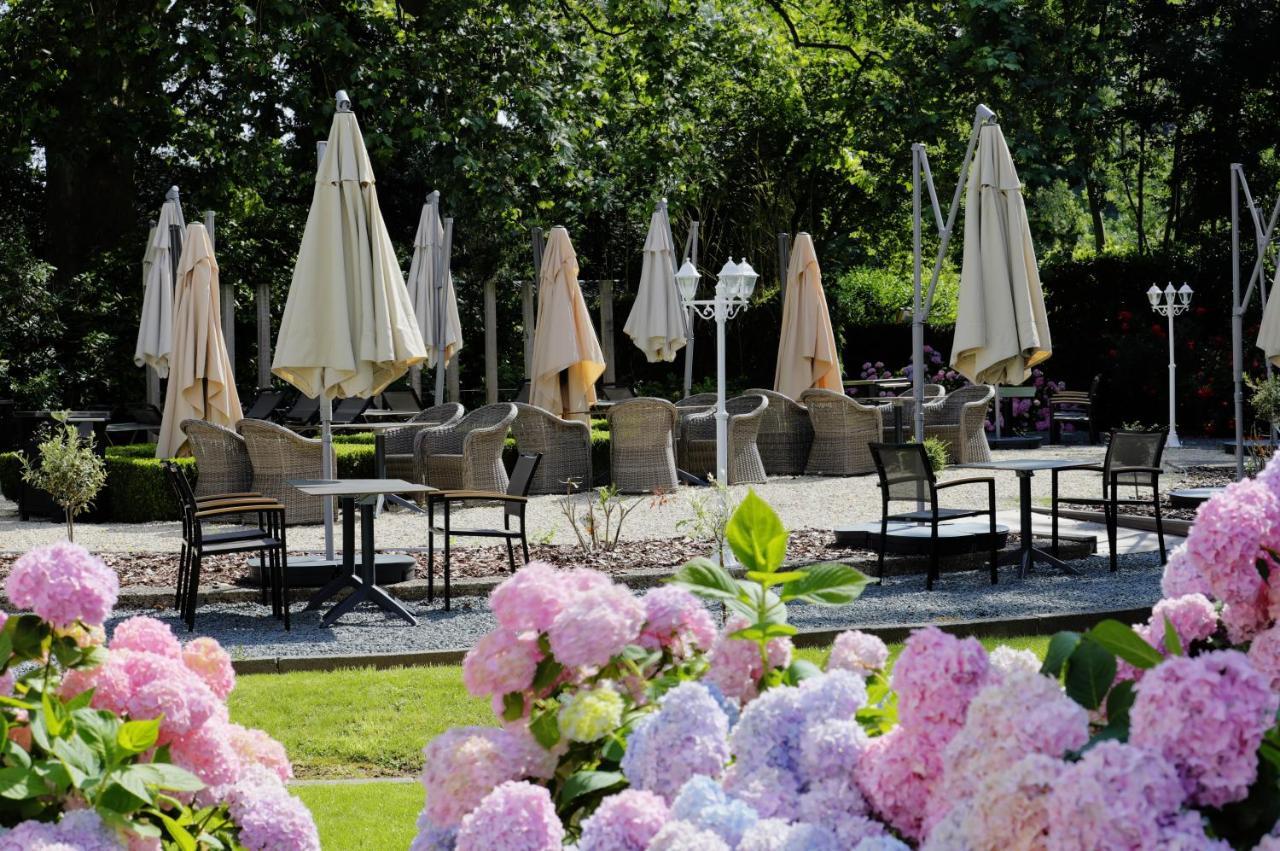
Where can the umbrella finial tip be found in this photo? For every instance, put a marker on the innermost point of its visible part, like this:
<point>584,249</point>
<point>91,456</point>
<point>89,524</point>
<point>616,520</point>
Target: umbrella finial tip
<point>985,113</point>
<point>172,194</point>
<point>343,101</point>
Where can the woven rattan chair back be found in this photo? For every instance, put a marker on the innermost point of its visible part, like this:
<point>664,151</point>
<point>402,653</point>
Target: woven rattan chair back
<point>565,447</point>
<point>468,453</point>
<point>697,400</point>
<point>842,429</point>
<point>641,454</point>
<point>1134,449</point>
<point>278,455</point>
<point>399,441</point>
<point>698,439</point>
<point>786,434</point>
<point>222,461</point>
<point>960,421</point>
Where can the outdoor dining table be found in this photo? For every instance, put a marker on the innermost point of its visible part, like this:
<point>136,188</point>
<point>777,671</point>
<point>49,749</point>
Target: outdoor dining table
<point>1026,468</point>
<point>366,493</point>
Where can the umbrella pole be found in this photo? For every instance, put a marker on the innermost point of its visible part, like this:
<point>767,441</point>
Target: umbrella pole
<point>326,468</point>
<point>441,325</point>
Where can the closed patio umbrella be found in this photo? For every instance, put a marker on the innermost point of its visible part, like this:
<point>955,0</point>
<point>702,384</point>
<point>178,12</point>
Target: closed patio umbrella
<point>155,330</point>
<point>807,356</point>
<point>348,327</point>
<point>1001,327</point>
<point>1269,331</point>
<point>424,273</point>
<point>656,323</point>
<point>201,381</point>
<point>566,354</point>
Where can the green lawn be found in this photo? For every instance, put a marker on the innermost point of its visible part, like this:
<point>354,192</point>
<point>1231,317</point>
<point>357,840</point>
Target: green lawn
<point>364,816</point>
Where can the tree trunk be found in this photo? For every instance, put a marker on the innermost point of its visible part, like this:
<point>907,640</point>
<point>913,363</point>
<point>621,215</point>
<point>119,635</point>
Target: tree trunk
<point>1094,194</point>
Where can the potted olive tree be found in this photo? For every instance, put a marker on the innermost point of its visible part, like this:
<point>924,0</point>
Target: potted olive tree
<point>69,470</point>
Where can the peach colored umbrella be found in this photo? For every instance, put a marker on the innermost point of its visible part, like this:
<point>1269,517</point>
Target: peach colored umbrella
<point>807,356</point>
<point>201,381</point>
<point>1001,327</point>
<point>566,354</point>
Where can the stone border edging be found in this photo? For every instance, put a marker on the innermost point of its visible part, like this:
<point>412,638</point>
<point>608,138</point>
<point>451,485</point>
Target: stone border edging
<point>1031,625</point>
<point>1172,525</point>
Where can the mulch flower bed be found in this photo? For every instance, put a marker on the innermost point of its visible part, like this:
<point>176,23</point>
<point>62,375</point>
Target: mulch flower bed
<point>161,569</point>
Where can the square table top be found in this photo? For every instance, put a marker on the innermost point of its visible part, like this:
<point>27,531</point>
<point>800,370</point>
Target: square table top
<point>1026,465</point>
<point>357,487</point>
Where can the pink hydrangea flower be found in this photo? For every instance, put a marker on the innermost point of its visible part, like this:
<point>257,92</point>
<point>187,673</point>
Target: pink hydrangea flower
<point>209,754</point>
<point>255,747</point>
<point>145,634</point>
<point>1182,576</point>
<point>79,830</point>
<point>935,678</point>
<point>500,663</point>
<point>897,773</point>
<point>1193,617</point>
<point>1206,715</point>
<point>1264,655</point>
<point>626,821</point>
<point>1116,798</point>
<point>515,816</point>
<point>530,600</point>
<point>677,621</point>
<point>206,659</point>
<point>63,583</point>
<point>686,836</point>
<point>595,626</point>
<point>736,666</point>
<point>859,652</point>
<point>1009,809</point>
<point>687,736</point>
<point>271,819</point>
<point>464,764</point>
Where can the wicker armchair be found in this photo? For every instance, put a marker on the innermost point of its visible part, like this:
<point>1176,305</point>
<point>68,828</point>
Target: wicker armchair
<point>466,455</point>
<point>785,435</point>
<point>697,400</point>
<point>842,430</point>
<point>698,440</point>
<point>640,445</point>
<point>278,455</point>
<point>398,442</point>
<point>565,447</point>
<point>222,462</point>
<point>961,422</point>
<point>934,397</point>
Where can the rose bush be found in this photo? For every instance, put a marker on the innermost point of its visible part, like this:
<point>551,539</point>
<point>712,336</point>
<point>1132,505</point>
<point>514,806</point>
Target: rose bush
<point>1161,735</point>
<point>127,743</point>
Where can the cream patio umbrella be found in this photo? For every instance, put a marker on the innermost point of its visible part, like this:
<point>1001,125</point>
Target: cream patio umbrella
<point>1001,327</point>
<point>657,322</point>
<point>807,355</point>
<point>1269,331</point>
<point>566,354</point>
<point>201,381</point>
<point>440,334</point>
<point>348,327</point>
<point>155,330</point>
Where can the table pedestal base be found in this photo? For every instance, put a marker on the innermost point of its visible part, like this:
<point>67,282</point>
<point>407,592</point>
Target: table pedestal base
<point>1029,553</point>
<point>363,584</point>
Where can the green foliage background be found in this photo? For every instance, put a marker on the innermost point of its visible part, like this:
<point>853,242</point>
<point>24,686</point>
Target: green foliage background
<point>752,117</point>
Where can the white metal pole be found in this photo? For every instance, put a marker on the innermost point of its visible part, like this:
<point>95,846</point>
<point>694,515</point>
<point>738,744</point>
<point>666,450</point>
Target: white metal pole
<point>1173,367</point>
<point>722,416</point>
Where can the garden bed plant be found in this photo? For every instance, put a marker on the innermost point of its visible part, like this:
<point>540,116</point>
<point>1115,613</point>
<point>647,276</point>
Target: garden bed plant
<point>641,724</point>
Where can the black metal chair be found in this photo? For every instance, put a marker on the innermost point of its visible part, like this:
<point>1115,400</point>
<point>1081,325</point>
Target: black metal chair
<point>1132,459</point>
<point>264,404</point>
<point>513,502</point>
<point>1075,408</point>
<point>267,539</point>
<point>906,476</point>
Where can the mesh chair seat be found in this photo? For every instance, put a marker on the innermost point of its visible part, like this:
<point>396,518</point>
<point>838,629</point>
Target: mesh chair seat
<point>842,430</point>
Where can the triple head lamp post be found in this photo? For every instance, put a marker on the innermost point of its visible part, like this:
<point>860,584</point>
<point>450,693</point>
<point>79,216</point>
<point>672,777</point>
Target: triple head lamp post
<point>1170,303</point>
<point>734,286</point>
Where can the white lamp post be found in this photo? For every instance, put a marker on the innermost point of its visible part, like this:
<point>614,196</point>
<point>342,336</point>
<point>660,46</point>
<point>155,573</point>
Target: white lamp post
<point>734,286</point>
<point>1174,302</point>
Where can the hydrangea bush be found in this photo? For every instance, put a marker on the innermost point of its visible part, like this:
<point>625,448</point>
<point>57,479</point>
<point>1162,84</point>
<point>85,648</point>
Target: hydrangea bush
<point>1160,735</point>
<point>127,743</point>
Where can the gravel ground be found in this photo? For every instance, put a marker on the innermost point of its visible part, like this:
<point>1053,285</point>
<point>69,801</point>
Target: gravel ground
<point>249,632</point>
<point>802,502</point>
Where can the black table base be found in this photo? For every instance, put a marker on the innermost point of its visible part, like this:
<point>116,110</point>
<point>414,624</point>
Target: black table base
<point>1029,554</point>
<point>363,585</point>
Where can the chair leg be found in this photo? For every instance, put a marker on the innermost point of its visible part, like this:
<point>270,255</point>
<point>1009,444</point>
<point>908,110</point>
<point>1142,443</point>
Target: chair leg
<point>524,540</point>
<point>266,572</point>
<point>193,588</point>
<point>431,552</point>
<point>1053,512</point>
<point>1111,536</point>
<point>1155,504</point>
<point>180,591</point>
<point>884,541</point>
<point>511,556</point>
<point>995,550</point>
<point>284,581</point>
<point>933,557</point>
<point>446,557</point>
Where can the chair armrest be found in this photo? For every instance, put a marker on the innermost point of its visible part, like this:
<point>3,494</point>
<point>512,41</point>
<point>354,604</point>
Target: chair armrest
<point>230,495</point>
<point>247,503</point>
<point>239,509</point>
<point>1119,471</point>
<point>1092,468</point>
<point>448,496</point>
<point>970,480</point>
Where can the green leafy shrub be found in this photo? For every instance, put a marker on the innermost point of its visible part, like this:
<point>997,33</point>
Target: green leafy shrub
<point>70,470</point>
<point>936,449</point>
<point>876,296</point>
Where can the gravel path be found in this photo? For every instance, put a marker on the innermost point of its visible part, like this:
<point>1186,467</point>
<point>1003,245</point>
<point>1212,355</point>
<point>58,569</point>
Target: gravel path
<point>802,503</point>
<point>248,631</point>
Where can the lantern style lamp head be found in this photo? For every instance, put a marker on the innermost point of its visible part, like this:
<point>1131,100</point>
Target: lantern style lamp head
<point>1170,294</point>
<point>687,281</point>
<point>1184,293</point>
<point>1153,295</point>
<point>747,281</point>
<point>727,280</point>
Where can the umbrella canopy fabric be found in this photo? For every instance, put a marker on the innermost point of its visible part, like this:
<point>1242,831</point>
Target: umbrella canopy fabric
<point>348,327</point>
<point>656,322</point>
<point>1001,327</point>
<point>428,245</point>
<point>1269,332</point>
<point>567,359</point>
<point>807,355</point>
<point>155,330</point>
<point>201,381</point>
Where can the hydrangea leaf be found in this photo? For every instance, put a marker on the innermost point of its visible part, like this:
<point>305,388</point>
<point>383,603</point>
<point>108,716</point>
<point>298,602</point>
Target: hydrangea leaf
<point>756,535</point>
<point>585,782</point>
<point>1121,640</point>
<point>138,736</point>
<point>827,584</point>
<point>1061,646</point>
<point>1172,642</point>
<point>705,578</point>
<point>1090,672</point>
